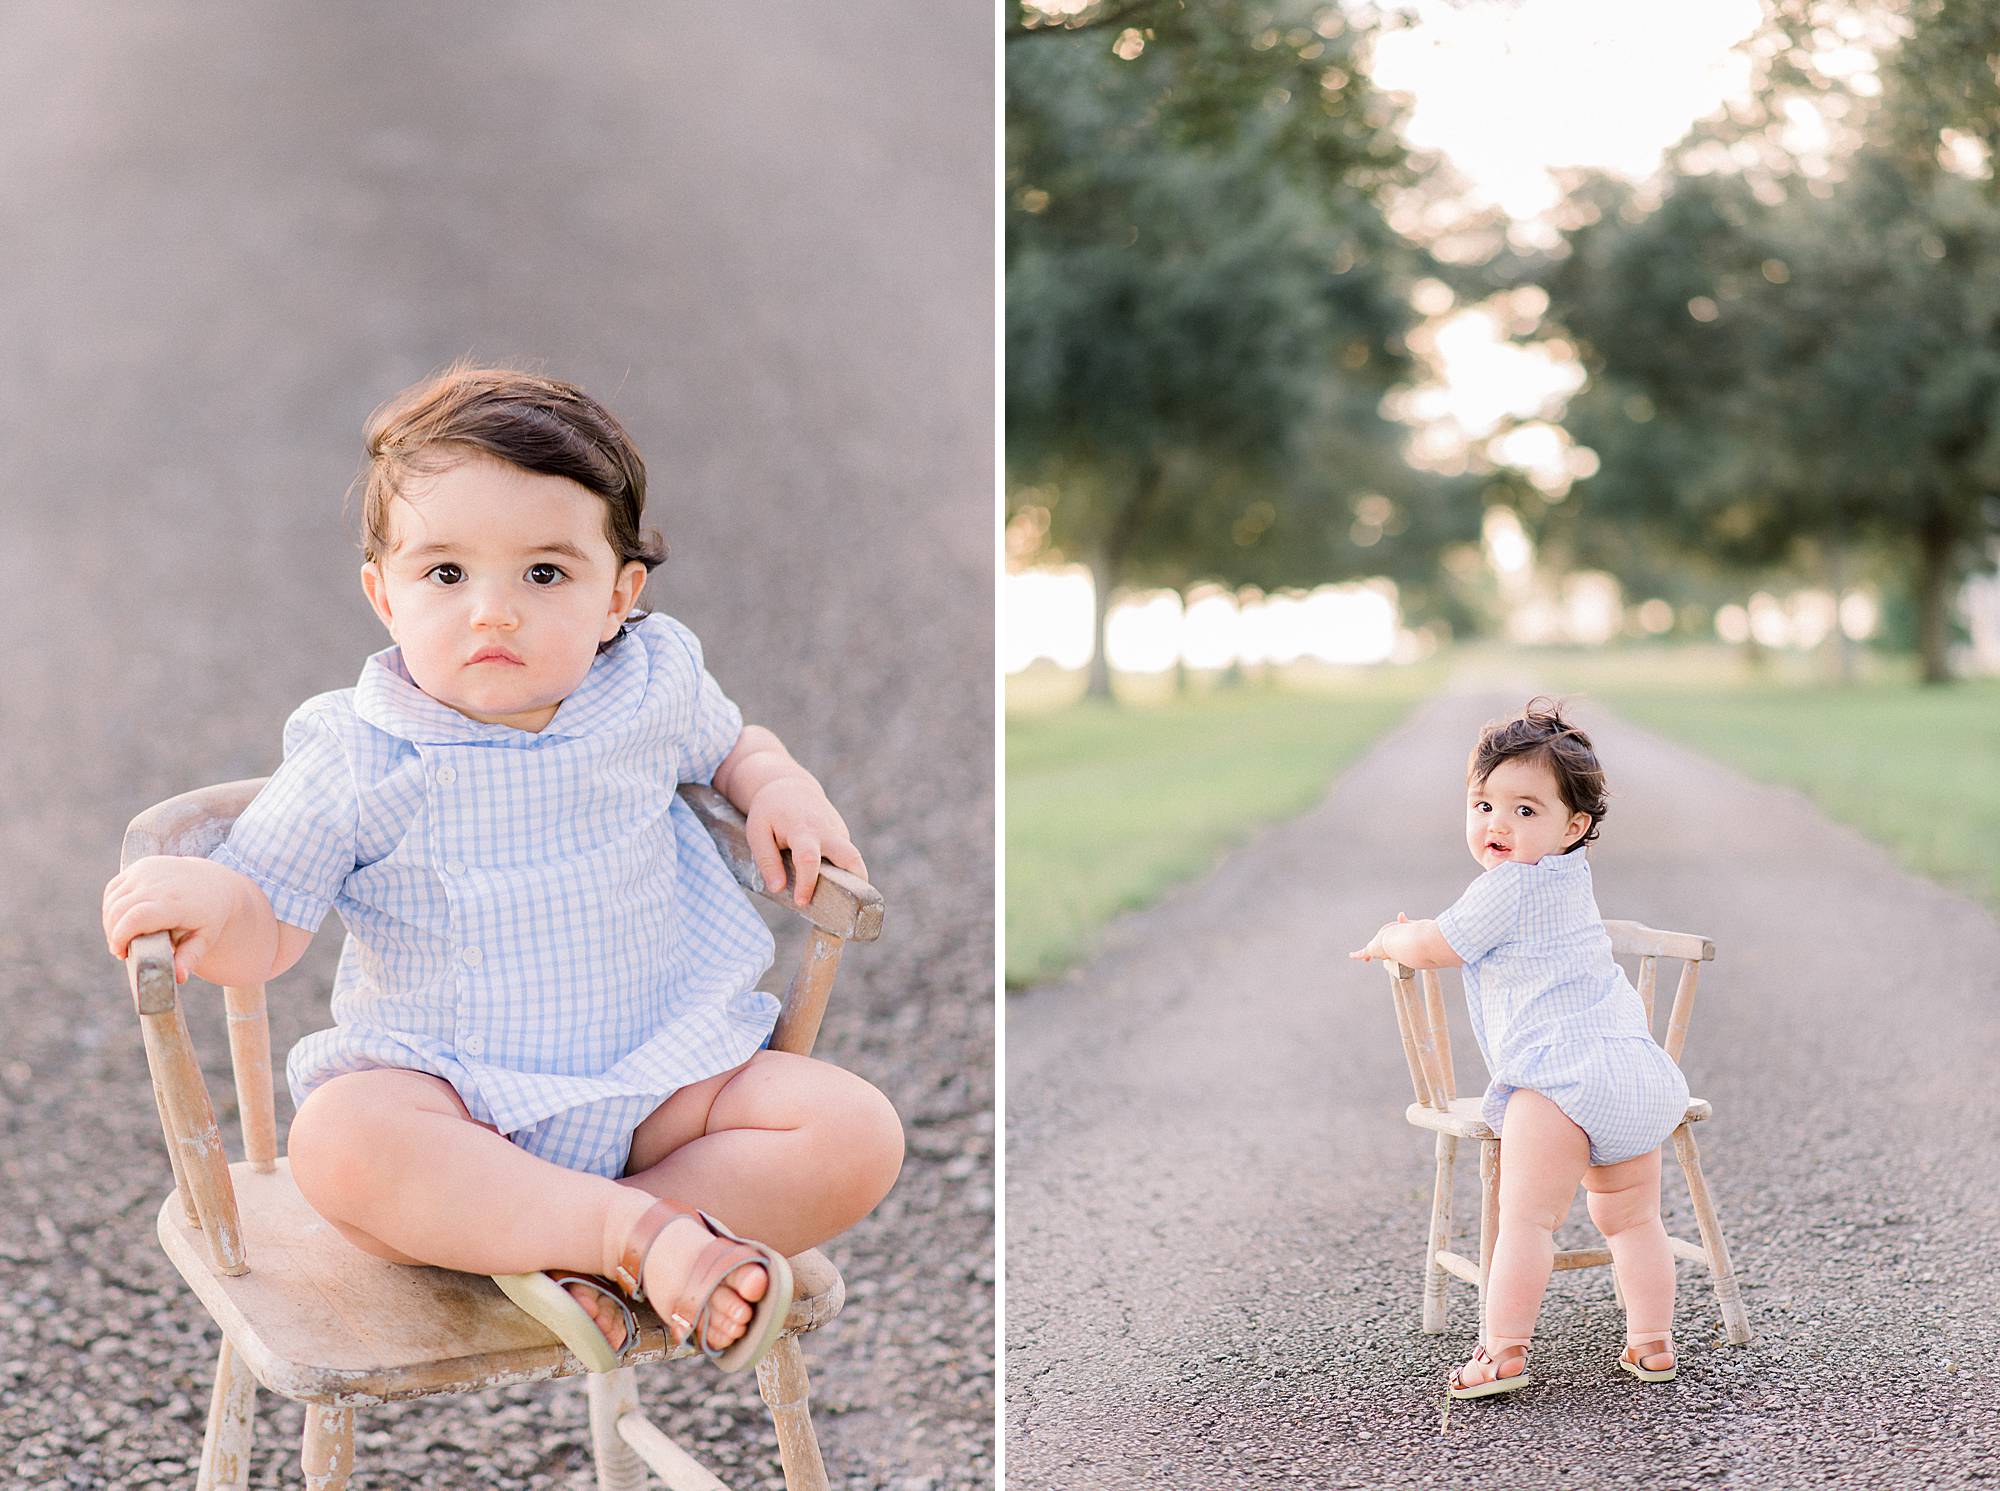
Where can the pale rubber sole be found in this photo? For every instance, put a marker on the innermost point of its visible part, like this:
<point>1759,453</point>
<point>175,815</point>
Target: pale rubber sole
<point>1491,1389</point>
<point>1665,1375</point>
<point>546,1301</point>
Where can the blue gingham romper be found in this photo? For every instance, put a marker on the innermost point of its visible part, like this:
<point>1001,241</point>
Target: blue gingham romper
<point>1554,1013</point>
<point>533,917</point>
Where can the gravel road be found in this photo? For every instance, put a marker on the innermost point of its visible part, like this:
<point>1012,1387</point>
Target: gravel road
<point>764,237</point>
<point>1216,1212</point>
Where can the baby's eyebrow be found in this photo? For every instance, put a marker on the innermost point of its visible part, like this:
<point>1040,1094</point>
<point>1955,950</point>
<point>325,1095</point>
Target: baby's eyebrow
<point>560,546</point>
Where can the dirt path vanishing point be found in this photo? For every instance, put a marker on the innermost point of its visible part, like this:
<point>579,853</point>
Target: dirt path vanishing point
<point>1216,1212</point>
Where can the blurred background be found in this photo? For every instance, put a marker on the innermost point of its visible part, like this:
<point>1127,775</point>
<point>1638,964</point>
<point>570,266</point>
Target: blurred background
<point>765,240</point>
<point>1358,351</point>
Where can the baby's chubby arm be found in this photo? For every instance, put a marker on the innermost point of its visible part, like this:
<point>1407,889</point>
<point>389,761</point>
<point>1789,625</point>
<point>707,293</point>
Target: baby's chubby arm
<point>1413,944</point>
<point>787,809</point>
<point>222,924</point>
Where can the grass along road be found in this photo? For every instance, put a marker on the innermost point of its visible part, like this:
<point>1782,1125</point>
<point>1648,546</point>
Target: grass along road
<point>1110,805</point>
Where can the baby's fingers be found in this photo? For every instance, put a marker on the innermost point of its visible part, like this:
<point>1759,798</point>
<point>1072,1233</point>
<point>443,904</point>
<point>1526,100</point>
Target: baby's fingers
<point>188,954</point>
<point>805,868</point>
<point>842,852</point>
<point>764,854</point>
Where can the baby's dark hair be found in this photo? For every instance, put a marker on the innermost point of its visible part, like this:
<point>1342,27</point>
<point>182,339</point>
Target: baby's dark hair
<point>1540,733</point>
<point>539,424</point>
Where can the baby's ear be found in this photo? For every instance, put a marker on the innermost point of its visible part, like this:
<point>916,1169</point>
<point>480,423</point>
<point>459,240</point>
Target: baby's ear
<point>376,588</point>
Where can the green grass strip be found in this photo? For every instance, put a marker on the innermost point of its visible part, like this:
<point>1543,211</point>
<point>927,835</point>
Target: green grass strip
<point>1915,768</point>
<point>1108,806</point>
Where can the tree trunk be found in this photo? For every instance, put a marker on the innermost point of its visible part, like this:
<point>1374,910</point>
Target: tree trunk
<point>1934,580</point>
<point>1836,579</point>
<point>1107,564</point>
<point>1103,573</point>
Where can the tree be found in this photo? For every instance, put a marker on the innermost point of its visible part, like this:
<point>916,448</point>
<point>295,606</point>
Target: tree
<point>1204,304</point>
<point>1797,350</point>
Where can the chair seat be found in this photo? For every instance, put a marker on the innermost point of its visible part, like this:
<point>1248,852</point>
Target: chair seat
<point>1463,1120</point>
<point>318,1320</point>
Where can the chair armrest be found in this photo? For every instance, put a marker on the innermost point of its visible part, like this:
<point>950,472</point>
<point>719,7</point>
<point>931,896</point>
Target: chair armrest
<point>149,968</point>
<point>843,904</point>
<point>187,1117</point>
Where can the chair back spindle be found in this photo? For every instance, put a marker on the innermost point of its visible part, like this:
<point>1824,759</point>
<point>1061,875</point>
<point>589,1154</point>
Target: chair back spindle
<point>1683,1010</point>
<point>1440,1034</point>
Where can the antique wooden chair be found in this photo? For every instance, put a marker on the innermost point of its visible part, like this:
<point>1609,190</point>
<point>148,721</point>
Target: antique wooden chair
<point>319,1321</point>
<point>1427,1048</point>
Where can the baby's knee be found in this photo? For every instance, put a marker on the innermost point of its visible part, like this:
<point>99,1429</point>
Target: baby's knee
<point>1619,1211</point>
<point>341,1130</point>
<point>873,1133</point>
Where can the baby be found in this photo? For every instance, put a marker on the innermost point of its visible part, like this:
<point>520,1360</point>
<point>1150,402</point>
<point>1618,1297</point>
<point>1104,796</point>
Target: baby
<point>1579,1086</point>
<point>547,1050</point>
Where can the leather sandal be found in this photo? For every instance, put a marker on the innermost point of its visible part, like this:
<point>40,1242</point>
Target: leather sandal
<point>1496,1383</point>
<point>1634,1356</point>
<point>687,1316</point>
<point>543,1296</point>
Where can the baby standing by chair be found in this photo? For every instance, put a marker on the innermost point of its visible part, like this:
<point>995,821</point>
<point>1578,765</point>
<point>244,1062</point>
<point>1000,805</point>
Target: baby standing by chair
<point>1580,1091</point>
<point>547,1050</point>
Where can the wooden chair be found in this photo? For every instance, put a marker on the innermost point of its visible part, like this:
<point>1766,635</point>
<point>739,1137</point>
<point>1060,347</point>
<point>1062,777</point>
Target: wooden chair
<point>319,1321</point>
<point>1427,1048</point>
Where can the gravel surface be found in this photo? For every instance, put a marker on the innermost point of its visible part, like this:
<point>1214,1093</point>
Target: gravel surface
<point>1216,1211</point>
<point>764,237</point>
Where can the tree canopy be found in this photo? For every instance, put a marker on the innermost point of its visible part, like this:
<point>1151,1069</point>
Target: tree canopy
<point>1796,349</point>
<point>1205,305</point>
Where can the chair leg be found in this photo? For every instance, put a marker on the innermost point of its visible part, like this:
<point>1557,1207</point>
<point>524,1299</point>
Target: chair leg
<point>327,1452</point>
<point>1435,1278</point>
<point>781,1378</point>
<point>232,1425</point>
<point>1735,1322</point>
<point>1489,1213</point>
<point>612,1394</point>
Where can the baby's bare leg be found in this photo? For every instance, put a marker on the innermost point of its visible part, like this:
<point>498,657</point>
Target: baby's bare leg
<point>396,1164</point>
<point>785,1149</point>
<point>1542,1156</point>
<point>1624,1202</point>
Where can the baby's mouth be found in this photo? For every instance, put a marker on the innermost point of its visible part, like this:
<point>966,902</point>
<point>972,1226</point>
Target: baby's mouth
<point>1499,848</point>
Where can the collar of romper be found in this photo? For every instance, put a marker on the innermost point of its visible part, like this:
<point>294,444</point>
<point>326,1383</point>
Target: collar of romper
<point>388,698</point>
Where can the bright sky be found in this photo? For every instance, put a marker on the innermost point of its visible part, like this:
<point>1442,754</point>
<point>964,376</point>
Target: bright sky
<point>1510,88</point>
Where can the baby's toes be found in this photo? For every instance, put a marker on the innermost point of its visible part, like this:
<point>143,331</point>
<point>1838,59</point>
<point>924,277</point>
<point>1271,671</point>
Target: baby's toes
<point>600,1309</point>
<point>749,1282</point>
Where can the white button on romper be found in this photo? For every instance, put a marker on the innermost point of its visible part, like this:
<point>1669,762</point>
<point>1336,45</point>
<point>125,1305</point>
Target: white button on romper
<point>1554,1013</point>
<point>533,917</point>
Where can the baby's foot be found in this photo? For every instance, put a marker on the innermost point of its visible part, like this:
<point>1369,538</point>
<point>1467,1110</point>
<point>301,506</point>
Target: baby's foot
<point>1653,1356</point>
<point>671,1260</point>
<point>609,1318</point>
<point>1484,1368</point>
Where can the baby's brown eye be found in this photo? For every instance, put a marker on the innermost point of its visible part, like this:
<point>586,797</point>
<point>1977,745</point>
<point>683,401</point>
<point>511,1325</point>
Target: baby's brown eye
<point>544,574</point>
<point>447,574</point>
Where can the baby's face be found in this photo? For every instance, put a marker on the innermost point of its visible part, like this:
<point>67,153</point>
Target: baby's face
<point>1518,814</point>
<point>498,584</point>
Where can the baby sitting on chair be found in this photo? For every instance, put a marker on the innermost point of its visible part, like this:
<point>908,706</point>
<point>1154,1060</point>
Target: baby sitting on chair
<point>1579,1085</point>
<point>547,1042</point>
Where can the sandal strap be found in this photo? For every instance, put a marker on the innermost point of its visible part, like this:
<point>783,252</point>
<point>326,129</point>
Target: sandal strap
<point>721,1258</point>
<point>686,1317</point>
<point>611,1292</point>
<point>630,1274</point>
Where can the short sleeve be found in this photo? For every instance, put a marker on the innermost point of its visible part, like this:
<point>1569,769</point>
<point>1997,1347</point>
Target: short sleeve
<point>714,721</point>
<point>296,840</point>
<point>1488,914</point>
